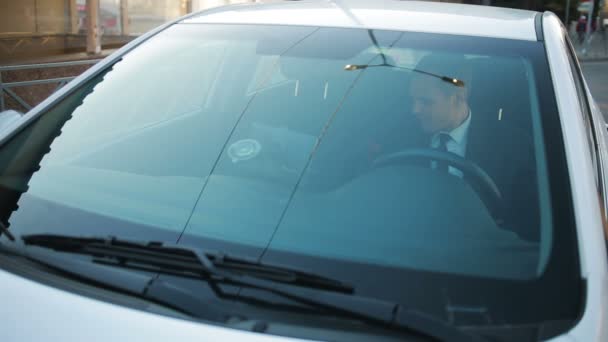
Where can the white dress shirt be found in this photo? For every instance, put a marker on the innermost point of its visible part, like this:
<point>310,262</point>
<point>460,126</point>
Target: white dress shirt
<point>457,143</point>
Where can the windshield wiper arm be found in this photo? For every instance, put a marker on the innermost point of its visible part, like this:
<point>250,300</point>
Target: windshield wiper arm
<point>278,273</point>
<point>182,258</point>
<point>182,261</point>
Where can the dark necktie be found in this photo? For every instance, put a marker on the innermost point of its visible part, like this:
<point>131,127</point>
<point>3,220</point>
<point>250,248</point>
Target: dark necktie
<point>444,138</point>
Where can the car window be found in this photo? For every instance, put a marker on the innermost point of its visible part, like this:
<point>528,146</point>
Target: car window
<point>413,165</point>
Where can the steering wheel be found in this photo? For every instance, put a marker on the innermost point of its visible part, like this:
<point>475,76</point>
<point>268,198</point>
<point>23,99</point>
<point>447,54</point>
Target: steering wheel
<point>479,180</point>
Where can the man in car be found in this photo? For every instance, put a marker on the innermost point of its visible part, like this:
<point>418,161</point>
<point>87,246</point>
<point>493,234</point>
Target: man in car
<point>444,97</point>
<point>441,106</point>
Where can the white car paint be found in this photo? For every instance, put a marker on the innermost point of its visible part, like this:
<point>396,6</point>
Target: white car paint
<point>384,14</point>
<point>592,249</point>
<point>25,319</point>
<point>9,119</point>
<point>25,305</point>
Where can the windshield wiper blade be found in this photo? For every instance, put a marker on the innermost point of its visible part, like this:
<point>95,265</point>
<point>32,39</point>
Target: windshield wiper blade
<point>278,273</point>
<point>181,258</point>
<point>179,261</point>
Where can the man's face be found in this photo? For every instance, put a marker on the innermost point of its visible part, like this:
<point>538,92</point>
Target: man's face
<point>435,109</point>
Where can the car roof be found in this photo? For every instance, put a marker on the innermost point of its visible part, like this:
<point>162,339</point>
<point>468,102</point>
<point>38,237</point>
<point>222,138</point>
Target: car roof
<point>418,16</point>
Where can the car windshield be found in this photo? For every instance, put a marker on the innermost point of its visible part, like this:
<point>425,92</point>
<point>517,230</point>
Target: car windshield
<point>323,149</point>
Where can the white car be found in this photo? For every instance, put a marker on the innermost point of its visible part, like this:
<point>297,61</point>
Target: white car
<point>324,170</point>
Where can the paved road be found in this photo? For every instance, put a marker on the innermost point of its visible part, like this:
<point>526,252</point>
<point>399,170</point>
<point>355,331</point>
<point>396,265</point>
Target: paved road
<point>596,74</point>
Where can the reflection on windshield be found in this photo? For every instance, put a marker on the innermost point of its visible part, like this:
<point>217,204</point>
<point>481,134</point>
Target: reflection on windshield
<point>252,168</point>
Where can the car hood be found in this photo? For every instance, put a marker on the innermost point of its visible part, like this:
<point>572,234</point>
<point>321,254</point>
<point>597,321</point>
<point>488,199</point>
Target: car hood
<point>30,311</point>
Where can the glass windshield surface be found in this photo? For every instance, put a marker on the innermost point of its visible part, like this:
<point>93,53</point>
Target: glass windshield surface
<point>410,165</point>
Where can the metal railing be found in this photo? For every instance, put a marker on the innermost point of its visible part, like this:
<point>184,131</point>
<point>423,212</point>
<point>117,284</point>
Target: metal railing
<point>6,88</point>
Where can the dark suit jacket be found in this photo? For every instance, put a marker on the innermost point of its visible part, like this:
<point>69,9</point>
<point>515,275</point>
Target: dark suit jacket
<point>504,150</point>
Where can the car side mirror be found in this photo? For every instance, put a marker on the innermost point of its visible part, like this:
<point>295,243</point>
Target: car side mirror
<point>9,117</point>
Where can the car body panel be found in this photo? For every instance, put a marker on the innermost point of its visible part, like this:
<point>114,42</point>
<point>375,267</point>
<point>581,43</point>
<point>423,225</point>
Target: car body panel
<point>386,14</point>
<point>588,214</point>
<point>24,319</point>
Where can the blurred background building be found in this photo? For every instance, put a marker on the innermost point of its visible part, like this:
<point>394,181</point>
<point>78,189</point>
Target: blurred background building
<point>36,28</point>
